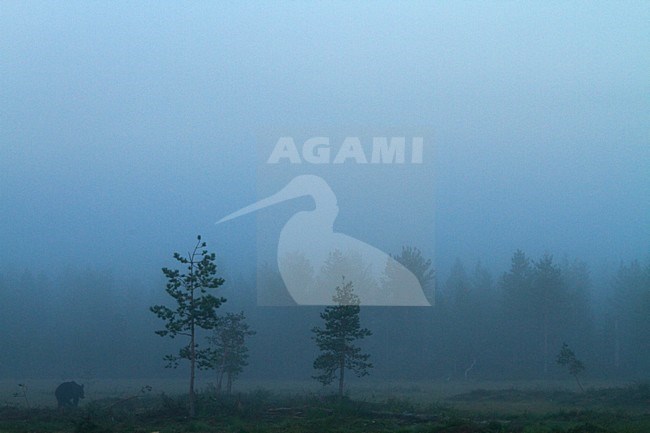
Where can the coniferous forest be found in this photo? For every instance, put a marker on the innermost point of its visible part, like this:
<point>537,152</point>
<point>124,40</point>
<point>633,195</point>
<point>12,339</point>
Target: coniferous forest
<point>485,324</point>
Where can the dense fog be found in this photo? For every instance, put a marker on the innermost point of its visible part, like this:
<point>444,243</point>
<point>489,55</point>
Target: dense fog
<point>509,325</point>
<point>127,130</point>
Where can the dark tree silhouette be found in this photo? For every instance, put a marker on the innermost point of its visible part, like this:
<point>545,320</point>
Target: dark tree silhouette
<point>195,307</point>
<point>567,358</point>
<point>548,293</point>
<point>421,267</point>
<point>229,353</point>
<point>336,341</point>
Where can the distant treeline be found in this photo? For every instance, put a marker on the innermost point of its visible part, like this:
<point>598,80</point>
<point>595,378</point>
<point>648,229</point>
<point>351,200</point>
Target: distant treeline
<point>85,324</point>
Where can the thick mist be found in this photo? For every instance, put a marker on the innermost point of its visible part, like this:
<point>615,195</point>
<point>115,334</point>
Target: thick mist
<point>126,130</point>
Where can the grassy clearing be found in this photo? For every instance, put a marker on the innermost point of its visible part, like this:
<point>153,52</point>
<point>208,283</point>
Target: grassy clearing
<point>40,393</point>
<point>398,407</point>
<point>631,399</point>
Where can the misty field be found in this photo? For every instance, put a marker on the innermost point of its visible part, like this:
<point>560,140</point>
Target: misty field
<point>161,405</point>
<point>310,216</point>
<point>40,393</point>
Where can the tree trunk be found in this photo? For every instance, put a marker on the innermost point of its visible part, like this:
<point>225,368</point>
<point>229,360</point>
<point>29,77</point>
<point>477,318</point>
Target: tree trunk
<point>192,370</point>
<point>220,380</point>
<point>222,369</point>
<point>579,384</point>
<point>229,383</point>
<point>192,350</point>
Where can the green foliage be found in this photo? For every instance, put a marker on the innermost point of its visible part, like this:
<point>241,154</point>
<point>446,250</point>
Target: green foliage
<point>228,354</point>
<point>87,425</point>
<point>567,358</point>
<point>195,307</point>
<point>615,410</point>
<point>336,341</point>
<point>547,301</point>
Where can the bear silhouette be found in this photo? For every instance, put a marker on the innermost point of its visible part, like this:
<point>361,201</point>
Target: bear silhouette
<point>69,393</point>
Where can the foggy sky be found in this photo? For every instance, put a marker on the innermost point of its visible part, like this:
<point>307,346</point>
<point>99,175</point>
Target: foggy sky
<point>127,129</point>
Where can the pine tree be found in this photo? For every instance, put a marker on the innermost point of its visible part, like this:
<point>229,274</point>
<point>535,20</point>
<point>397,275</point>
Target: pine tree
<point>548,294</point>
<point>195,307</point>
<point>336,341</point>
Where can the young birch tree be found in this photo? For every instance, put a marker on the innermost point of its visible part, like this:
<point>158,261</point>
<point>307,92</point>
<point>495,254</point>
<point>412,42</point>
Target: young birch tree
<point>229,354</point>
